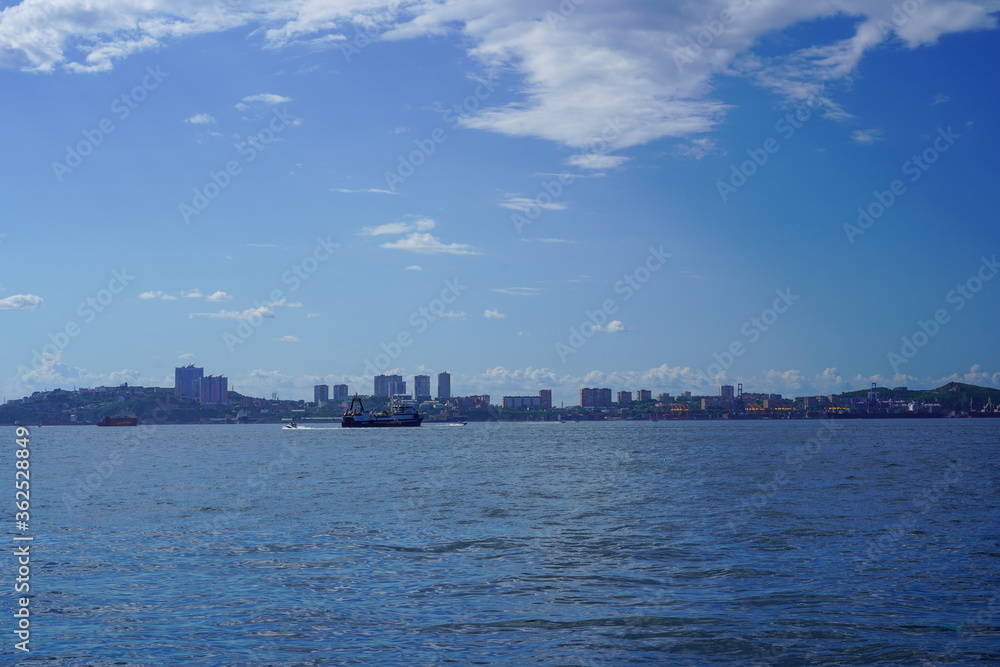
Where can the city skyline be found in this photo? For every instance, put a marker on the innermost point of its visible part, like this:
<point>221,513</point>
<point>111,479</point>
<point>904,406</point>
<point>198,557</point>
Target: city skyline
<point>797,196</point>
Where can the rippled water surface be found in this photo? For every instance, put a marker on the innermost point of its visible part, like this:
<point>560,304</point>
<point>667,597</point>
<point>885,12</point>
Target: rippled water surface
<point>764,543</point>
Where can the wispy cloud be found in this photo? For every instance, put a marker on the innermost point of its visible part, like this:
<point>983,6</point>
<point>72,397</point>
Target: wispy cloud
<point>698,148</point>
<point>192,294</point>
<point>631,69</point>
<point>414,267</point>
<point>402,227</point>
<point>614,326</point>
<point>261,245</point>
<point>200,119</point>
<point>428,244</point>
<point>258,312</point>
<point>518,291</point>
<point>522,204</point>
<point>941,98</point>
<point>219,296</point>
<point>21,302</point>
<point>494,315</point>
<point>596,161</point>
<point>378,191</point>
<point>865,137</point>
<point>288,339</point>
<point>548,240</point>
<point>267,98</point>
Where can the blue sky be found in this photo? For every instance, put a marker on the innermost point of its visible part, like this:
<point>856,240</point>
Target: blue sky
<point>529,195</point>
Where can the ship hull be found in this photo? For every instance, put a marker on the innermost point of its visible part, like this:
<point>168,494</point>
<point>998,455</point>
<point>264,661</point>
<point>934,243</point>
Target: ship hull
<point>119,421</point>
<point>375,423</point>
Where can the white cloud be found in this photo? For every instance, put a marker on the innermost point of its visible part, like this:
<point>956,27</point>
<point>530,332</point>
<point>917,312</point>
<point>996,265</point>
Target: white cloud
<point>494,314</point>
<point>288,339</point>
<point>518,291</point>
<point>200,119</point>
<point>267,98</point>
<point>550,240</point>
<point>601,79</point>
<point>186,355</point>
<point>596,161</point>
<point>522,204</point>
<point>309,316</point>
<point>614,326</point>
<point>865,137</point>
<point>414,267</point>
<point>157,294</point>
<point>192,294</point>
<point>454,314</point>
<point>428,244</point>
<point>264,311</point>
<point>698,148</point>
<point>366,191</point>
<point>941,98</point>
<point>402,227</point>
<point>218,296</point>
<point>21,302</point>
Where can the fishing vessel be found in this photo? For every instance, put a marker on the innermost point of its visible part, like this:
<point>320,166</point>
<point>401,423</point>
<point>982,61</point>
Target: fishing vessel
<point>400,413</point>
<point>119,421</point>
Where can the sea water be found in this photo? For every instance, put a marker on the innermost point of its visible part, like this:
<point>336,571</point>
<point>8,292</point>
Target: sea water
<point>675,543</point>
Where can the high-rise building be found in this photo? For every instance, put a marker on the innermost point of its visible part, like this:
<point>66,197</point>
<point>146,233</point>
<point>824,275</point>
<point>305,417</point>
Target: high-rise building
<point>321,395</point>
<point>187,382</point>
<point>521,402</point>
<point>444,386</point>
<point>214,389</point>
<point>545,399</point>
<point>389,385</point>
<point>624,397</point>
<point>595,398</point>
<point>726,391</point>
<point>643,395</point>
<point>422,387</point>
<point>339,392</point>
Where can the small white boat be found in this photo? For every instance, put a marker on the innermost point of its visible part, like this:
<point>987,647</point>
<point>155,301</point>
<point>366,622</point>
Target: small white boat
<point>291,425</point>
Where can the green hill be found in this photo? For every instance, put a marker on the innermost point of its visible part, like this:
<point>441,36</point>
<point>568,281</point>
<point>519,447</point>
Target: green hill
<point>952,396</point>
